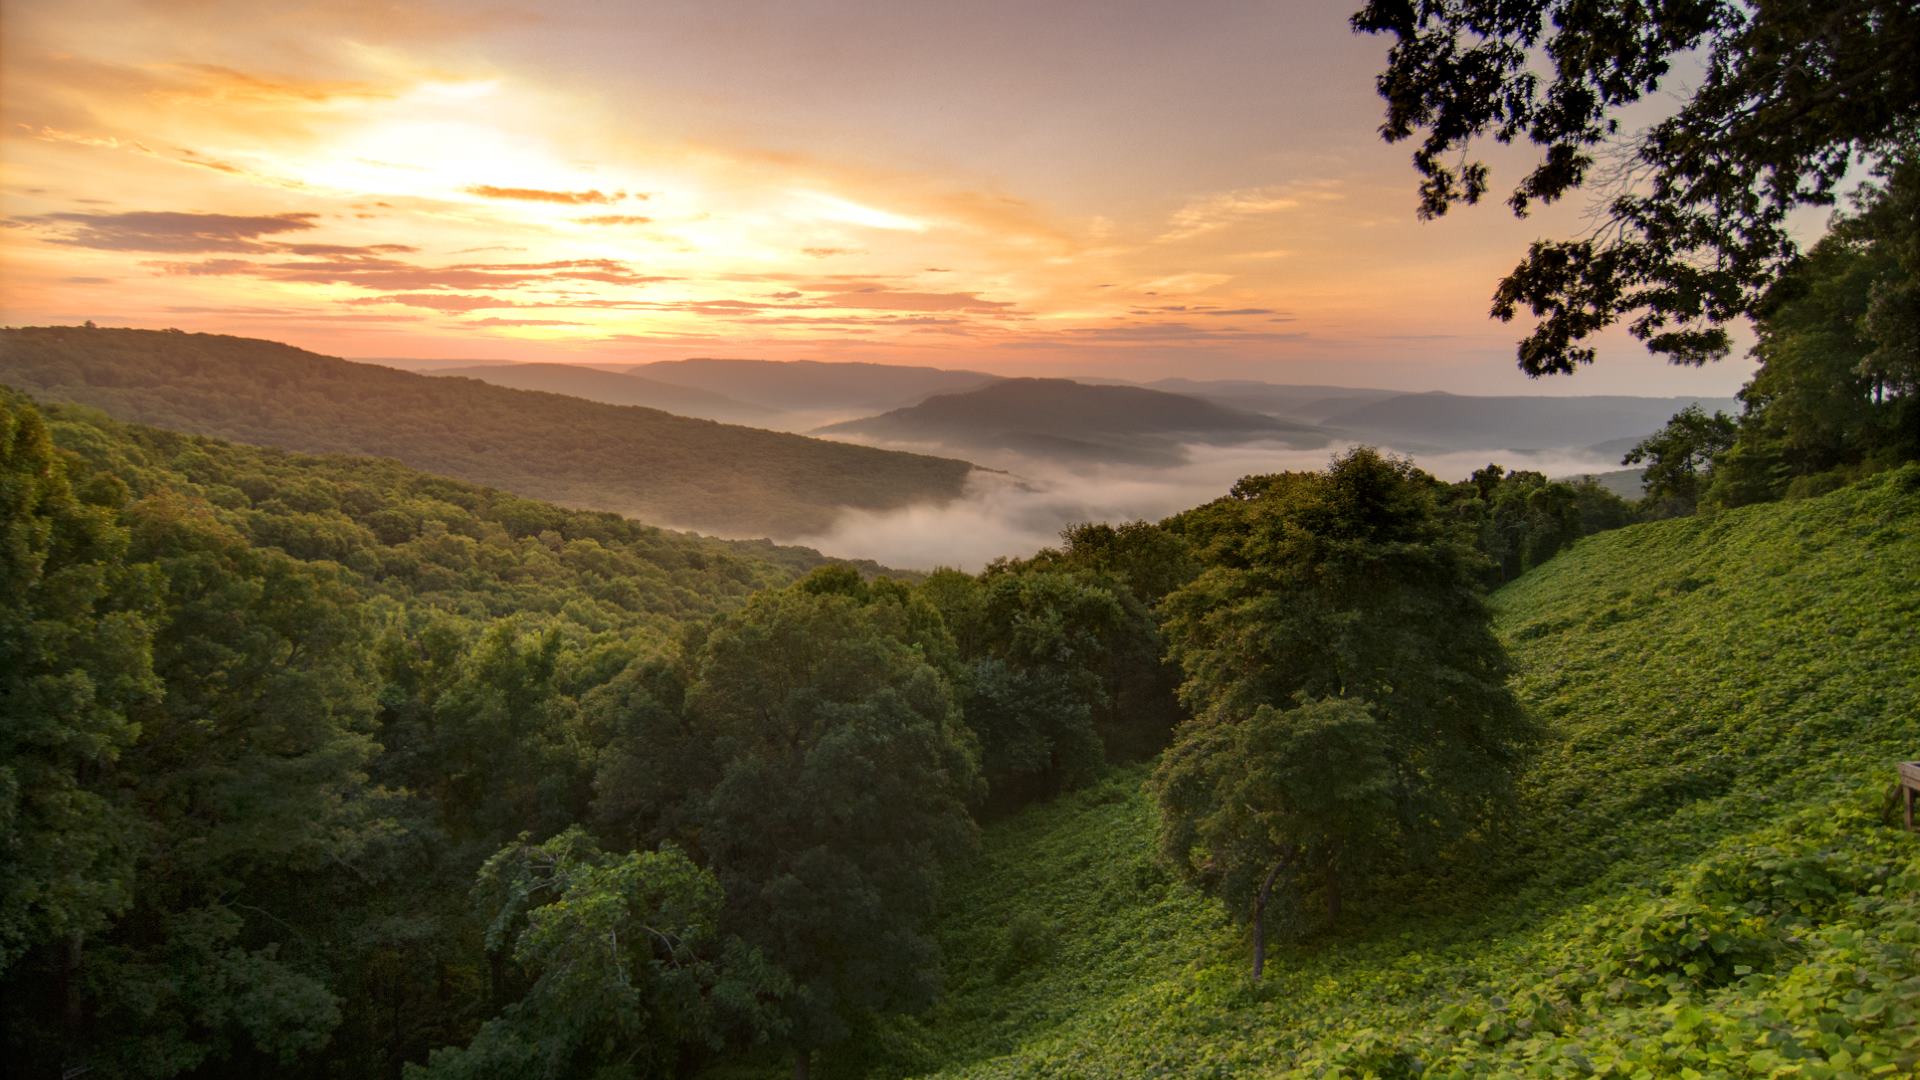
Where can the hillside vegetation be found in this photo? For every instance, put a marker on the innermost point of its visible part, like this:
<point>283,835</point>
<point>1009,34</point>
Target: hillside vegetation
<point>1702,877</point>
<point>426,540</point>
<point>646,464</point>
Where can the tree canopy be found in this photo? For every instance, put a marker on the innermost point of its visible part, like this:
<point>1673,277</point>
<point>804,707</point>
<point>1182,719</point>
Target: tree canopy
<point>1693,223</point>
<point>1349,699</point>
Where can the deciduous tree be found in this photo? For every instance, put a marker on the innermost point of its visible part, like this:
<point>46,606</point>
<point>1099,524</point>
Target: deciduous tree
<point>1692,226</point>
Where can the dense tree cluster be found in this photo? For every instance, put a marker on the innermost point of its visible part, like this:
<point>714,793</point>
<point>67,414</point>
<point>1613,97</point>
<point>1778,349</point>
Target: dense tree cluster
<point>1350,706</point>
<point>1836,395</point>
<point>323,766</point>
<point>1520,519</point>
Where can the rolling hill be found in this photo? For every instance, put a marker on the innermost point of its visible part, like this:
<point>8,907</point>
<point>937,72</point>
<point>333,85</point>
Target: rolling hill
<point>1309,403</point>
<point>811,386</point>
<point>1702,878</point>
<point>1063,420</point>
<point>615,388</point>
<point>661,468</point>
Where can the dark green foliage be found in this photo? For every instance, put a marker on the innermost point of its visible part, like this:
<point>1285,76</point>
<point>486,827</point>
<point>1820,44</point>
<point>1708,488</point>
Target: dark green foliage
<point>1679,458</point>
<point>242,783</point>
<point>1837,394</point>
<point>1338,617</point>
<point>625,967</point>
<point>649,464</point>
<point>266,716</point>
<point>1138,564</point>
<point>843,777</point>
<point>1033,648</point>
<point>1289,797</point>
<point>1695,211</point>
<point>1150,561</point>
<point>821,770</point>
<point>1521,519</point>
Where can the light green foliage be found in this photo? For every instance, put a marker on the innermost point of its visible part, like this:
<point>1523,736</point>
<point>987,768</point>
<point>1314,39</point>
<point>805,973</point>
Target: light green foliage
<point>624,964</point>
<point>1703,874</point>
<point>75,658</point>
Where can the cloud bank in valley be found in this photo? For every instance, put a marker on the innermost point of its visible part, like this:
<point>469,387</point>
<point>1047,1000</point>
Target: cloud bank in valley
<point>1019,512</point>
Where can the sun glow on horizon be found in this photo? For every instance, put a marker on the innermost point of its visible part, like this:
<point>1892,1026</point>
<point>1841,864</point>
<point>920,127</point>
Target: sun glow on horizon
<point>448,187</point>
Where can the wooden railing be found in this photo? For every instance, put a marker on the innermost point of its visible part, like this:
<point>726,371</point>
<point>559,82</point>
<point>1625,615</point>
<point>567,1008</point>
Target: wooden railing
<point>1909,787</point>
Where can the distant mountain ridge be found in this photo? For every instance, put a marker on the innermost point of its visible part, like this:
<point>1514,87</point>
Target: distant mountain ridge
<point>648,464</point>
<point>1062,419</point>
<point>1443,421</point>
<point>616,388</point>
<point>813,385</point>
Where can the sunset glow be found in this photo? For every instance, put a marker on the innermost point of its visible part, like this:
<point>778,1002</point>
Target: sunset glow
<point>1200,195</point>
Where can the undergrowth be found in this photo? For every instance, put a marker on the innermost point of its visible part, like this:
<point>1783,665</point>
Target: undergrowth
<point>1704,878</point>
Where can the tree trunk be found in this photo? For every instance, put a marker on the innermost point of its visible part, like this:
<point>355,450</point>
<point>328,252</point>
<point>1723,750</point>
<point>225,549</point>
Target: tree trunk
<point>1333,885</point>
<point>73,1007</point>
<point>802,1063</point>
<point>1260,921</point>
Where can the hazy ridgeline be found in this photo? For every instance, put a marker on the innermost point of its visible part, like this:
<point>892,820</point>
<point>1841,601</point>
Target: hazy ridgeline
<point>648,464</point>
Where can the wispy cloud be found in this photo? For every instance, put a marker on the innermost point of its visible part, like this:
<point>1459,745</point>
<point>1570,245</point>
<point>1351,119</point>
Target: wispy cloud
<point>1221,209</point>
<point>568,198</point>
<point>370,268</point>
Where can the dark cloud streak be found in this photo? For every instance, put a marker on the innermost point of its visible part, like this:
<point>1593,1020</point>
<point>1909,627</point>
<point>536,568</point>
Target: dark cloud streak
<point>169,231</point>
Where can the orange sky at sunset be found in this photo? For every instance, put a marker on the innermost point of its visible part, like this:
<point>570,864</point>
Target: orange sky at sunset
<point>1128,189</point>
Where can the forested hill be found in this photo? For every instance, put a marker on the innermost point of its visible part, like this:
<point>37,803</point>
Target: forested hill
<point>1061,418</point>
<point>813,385</point>
<point>425,540</point>
<point>615,388</point>
<point>1703,874</point>
<point>667,469</point>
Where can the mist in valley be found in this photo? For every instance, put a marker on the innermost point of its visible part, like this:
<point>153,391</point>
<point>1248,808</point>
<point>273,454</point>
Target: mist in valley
<point>1016,512</point>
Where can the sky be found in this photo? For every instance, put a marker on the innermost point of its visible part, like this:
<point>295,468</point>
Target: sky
<point>1130,188</point>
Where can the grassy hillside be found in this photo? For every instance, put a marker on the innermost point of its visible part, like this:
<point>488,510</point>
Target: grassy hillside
<point>667,469</point>
<point>1703,875</point>
<point>1068,420</point>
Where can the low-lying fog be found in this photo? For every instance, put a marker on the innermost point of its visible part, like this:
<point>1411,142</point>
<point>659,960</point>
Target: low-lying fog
<point>1018,512</point>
